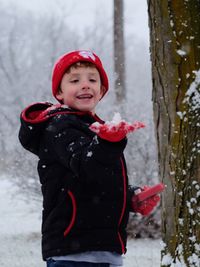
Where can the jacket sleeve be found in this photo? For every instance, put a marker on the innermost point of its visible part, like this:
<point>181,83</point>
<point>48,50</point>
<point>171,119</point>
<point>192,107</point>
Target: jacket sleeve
<point>29,135</point>
<point>78,150</point>
<point>131,192</point>
<point>31,128</point>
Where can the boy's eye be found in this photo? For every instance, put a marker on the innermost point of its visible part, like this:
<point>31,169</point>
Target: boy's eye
<point>74,81</point>
<point>93,80</point>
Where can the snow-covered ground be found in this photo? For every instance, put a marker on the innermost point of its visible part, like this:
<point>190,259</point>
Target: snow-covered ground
<point>20,234</point>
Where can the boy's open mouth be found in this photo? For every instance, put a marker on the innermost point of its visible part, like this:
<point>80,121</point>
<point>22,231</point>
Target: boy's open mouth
<point>85,96</point>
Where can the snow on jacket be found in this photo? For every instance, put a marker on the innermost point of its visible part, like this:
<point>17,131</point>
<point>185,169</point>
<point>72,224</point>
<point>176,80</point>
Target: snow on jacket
<point>84,181</point>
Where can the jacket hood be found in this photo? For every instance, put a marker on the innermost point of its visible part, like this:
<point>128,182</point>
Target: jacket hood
<point>34,119</point>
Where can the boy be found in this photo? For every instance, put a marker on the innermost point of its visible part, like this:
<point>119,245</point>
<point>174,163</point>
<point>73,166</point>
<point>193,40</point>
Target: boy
<point>86,198</point>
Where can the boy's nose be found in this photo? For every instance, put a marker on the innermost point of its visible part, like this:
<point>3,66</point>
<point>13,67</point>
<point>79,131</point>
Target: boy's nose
<point>85,85</point>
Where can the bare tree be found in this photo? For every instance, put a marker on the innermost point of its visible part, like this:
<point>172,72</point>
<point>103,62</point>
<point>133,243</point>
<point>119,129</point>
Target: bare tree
<point>26,43</point>
<point>175,55</point>
<point>119,55</point>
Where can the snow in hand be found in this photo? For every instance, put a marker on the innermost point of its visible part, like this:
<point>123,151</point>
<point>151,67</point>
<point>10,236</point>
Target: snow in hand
<point>116,129</point>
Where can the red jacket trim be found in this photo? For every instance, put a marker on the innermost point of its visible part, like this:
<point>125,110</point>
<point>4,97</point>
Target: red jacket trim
<point>69,227</point>
<point>43,114</point>
<point>124,205</point>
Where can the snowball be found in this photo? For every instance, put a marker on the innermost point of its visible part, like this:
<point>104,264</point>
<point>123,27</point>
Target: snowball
<point>117,123</point>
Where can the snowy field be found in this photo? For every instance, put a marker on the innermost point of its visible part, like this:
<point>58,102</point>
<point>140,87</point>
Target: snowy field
<point>20,234</point>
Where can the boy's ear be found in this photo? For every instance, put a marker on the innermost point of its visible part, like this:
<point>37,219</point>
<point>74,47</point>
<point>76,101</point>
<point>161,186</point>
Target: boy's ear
<point>59,95</point>
<point>103,90</point>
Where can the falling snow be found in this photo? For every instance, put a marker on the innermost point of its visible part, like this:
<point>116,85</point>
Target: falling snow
<point>89,154</point>
<point>181,52</point>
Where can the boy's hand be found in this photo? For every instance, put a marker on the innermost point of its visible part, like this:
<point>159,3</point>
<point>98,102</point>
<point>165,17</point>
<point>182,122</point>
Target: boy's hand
<point>146,206</point>
<point>115,132</point>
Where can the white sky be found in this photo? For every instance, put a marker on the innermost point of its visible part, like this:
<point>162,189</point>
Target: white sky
<point>80,14</point>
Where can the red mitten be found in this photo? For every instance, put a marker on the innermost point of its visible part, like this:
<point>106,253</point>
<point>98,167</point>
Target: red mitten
<point>115,131</point>
<point>146,206</point>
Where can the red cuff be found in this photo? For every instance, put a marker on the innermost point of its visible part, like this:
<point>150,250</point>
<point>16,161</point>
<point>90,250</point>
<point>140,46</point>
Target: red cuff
<point>32,113</point>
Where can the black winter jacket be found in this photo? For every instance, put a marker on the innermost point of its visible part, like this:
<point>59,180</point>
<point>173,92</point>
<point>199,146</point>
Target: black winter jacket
<point>84,181</point>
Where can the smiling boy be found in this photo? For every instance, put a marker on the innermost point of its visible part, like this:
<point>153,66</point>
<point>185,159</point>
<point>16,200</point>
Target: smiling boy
<point>82,170</point>
<point>81,87</point>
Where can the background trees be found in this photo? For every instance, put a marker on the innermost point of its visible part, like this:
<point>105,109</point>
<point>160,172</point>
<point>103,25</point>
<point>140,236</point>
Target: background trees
<point>29,44</point>
<point>175,55</point>
<point>119,51</point>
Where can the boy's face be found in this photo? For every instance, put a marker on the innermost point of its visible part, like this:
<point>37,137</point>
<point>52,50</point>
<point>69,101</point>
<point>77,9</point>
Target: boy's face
<point>81,88</point>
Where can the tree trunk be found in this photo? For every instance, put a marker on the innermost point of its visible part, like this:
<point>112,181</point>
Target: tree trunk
<point>175,55</point>
<point>119,57</point>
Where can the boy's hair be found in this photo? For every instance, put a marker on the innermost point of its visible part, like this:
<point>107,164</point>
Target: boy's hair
<point>82,64</point>
<point>68,60</point>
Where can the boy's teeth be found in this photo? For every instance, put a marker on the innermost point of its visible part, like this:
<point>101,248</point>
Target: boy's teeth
<point>84,96</point>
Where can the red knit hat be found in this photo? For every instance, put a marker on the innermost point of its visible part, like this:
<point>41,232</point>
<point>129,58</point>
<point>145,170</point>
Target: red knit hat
<point>65,61</point>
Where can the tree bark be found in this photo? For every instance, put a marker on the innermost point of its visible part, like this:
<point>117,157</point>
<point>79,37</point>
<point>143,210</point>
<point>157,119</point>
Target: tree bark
<point>119,56</point>
<point>175,55</point>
